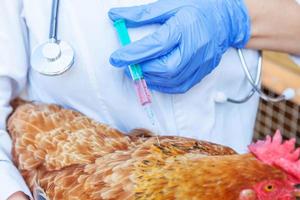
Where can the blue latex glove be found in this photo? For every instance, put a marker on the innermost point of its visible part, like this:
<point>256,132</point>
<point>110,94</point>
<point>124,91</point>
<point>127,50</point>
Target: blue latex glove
<point>189,44</point>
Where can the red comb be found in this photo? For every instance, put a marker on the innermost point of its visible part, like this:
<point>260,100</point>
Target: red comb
<point>274,151</point>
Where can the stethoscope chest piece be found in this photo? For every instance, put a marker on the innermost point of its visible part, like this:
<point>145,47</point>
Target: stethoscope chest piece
<point>52,58</point>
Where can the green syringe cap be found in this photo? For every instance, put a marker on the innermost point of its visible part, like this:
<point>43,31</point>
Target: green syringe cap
<point>122,31</point>
<point>120,25</point>
<point>119,22</point>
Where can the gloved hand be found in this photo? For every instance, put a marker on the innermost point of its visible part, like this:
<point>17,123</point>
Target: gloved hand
<point>189,44</point>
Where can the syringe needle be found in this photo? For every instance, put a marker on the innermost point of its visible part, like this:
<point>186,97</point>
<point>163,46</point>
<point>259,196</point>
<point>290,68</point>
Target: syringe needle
<point>150,113</point>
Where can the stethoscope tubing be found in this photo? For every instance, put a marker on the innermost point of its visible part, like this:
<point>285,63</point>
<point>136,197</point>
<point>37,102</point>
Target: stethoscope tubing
<point>53,21</point>
<point>68,55</point>
<point>248,75</point>
<point>256,84</point>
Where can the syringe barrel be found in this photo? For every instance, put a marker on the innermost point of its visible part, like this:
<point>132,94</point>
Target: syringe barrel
<point>142,91</point>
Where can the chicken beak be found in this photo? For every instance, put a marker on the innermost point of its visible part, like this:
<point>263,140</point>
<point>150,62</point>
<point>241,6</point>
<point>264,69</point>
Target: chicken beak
<point>296,192</point>
<point>247,194</point>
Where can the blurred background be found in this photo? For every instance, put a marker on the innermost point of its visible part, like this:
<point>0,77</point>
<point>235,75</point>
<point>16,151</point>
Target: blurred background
<point>279,72</point>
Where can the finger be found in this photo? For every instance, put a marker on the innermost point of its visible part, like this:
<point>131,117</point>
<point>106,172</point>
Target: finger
<point>162,68</point>
<point>172,86</point>
<point>190,64</point>
<point>191,74</point>
<point>177,88</point>
<point>157,12</point>
<point>161,42</point>
<point>170,82</point>
<point>171,69</point>
<point>157,86</point>
<point>166,66</point>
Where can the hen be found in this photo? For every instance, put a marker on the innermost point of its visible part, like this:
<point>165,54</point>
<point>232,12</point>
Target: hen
<point>64,155</point>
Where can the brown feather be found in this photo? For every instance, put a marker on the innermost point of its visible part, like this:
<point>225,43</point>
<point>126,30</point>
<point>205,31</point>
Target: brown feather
<point>71,156</point>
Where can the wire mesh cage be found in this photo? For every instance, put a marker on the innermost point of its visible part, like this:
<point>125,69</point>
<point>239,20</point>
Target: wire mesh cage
<point>284,116</point>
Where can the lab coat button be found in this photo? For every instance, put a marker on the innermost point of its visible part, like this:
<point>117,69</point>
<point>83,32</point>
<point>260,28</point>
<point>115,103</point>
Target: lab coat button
<point>220,97</point>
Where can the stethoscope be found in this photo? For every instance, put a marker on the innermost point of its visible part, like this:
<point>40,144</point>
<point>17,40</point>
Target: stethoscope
<point>287,94</point>
<point>55,57</point>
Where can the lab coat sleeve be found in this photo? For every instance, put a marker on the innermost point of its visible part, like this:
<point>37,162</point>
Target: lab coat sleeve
<point>13,71</point>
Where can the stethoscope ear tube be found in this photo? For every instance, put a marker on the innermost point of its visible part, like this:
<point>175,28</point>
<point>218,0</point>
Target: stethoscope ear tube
<point>246,71</point>
<point>53,20</point>
<point>286,95</point>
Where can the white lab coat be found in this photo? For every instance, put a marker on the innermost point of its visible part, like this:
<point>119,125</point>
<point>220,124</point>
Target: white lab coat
<point>103,92</point>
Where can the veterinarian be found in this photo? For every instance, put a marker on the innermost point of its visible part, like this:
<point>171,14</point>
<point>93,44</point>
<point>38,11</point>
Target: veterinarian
<point>186,49</point>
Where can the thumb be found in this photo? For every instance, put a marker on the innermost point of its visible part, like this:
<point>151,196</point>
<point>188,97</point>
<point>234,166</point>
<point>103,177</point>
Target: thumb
<point>152,46</point>
<point>157,12</point>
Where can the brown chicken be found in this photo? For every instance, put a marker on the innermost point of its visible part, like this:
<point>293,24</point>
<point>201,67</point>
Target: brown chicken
<point>64,155</point>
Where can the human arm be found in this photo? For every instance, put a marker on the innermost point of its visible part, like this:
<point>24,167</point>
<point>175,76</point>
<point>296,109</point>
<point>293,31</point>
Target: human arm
<point>164,66</point>
<point>13,69</point>
<point>188,45</point>
<point>275,25</point>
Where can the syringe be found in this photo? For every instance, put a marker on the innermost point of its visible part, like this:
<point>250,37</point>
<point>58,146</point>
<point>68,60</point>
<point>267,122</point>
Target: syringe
<point>136,72</point>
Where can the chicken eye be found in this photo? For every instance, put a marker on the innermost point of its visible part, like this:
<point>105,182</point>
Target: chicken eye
<point>269,188</point>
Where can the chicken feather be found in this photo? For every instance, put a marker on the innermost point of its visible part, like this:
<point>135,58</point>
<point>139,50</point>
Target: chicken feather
<point>69,156</point>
